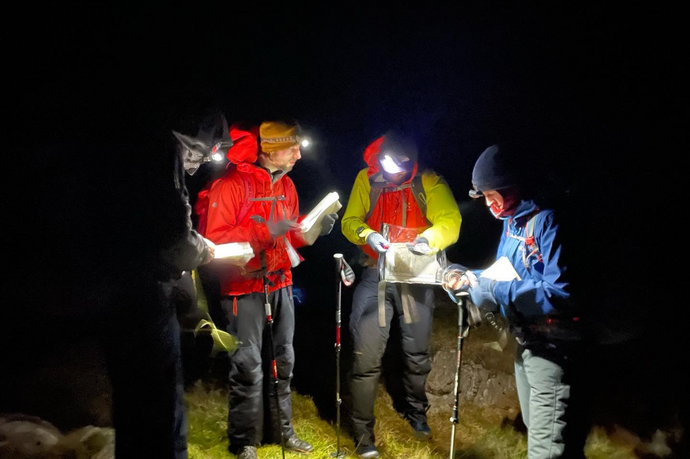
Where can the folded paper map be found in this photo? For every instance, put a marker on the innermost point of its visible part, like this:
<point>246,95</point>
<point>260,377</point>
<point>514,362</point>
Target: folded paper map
<point>311,225</point>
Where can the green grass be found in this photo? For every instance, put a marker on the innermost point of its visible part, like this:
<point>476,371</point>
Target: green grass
<point>481,433</point>
<point>207,413</point>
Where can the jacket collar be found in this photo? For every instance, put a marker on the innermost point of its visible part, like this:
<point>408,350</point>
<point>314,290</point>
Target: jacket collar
<point>524,211</point>
<point>261,173</point>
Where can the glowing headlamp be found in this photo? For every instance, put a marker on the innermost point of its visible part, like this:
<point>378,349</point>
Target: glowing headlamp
<point>476,193</point>
<point>392,164</point>
<point>196,152</point>
<point>220,149</point>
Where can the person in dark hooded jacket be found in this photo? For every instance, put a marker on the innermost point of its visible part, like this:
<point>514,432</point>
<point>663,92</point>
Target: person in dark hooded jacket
<point>538,302</point>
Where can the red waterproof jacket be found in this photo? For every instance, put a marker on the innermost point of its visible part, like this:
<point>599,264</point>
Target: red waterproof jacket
<point>247,191</point>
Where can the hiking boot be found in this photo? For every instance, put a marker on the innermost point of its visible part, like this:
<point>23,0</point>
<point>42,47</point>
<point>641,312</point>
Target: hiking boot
<point>247,452</point>
<point>421,430</point>
<point>295,444</point>
<point>367,451</point>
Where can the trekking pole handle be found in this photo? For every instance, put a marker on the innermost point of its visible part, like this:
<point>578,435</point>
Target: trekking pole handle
<point>346,273</point>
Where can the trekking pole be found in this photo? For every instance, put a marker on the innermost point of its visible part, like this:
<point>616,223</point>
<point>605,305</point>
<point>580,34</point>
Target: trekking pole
<point>274,366</point>
<point>462,333</point>
<point>344,275</point>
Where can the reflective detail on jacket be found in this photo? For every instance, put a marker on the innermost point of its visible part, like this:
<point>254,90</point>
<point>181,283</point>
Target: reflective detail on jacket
<point>544,287</point>
<point>226,198</point>
<point>442,208</point>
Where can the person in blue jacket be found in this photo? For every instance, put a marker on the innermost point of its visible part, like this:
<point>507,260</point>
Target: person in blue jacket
<point>539,305</point>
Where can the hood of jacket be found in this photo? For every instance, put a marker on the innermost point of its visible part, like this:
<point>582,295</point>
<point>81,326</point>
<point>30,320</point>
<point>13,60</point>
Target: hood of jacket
<point>371,158</point>
<point>245,144</point>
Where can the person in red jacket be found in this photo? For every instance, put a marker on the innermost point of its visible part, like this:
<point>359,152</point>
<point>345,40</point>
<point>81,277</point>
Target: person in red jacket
<point>256,202</point>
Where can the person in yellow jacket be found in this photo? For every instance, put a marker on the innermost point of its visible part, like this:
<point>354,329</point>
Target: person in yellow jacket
<point>421,211</point>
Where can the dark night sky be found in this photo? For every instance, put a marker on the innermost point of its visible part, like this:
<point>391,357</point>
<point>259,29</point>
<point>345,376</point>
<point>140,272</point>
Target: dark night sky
<point>594,90</point>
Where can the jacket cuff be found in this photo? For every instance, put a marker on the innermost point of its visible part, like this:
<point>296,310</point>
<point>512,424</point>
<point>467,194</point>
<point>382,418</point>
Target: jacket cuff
<point>364,234</point>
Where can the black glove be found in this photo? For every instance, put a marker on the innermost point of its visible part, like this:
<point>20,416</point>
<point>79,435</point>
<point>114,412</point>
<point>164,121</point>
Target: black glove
<point>327,223</point>
<point>378,242</point>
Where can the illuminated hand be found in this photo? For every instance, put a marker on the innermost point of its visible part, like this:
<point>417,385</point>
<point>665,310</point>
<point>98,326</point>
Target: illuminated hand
<point>457,280</point>
<point>378,242</point>
<point>420,246</point>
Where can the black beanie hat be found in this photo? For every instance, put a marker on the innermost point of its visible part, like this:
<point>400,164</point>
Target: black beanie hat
<point>495,169</point>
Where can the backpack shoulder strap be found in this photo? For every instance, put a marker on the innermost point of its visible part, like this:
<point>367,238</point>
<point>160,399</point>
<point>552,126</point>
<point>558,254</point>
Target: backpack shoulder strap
<point>374,194</point>
<point>249,193</point>
<point>530,241</point>
<point>417,191</point>
<point>375,188</point>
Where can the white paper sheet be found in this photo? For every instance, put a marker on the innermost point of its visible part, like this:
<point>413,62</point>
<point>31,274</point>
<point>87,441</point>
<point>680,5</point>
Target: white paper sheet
<point>501,270</point>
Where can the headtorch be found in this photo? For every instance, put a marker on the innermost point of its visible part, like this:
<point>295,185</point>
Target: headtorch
<point>476,193</point>
<point>196,152</point>
<point>394,164</point>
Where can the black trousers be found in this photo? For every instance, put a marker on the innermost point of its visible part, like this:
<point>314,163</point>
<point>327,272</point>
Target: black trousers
<point>369,345</point>
<point>252,399</point>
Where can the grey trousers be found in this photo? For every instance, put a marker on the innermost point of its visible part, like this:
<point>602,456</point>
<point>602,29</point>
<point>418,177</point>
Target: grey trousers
<point>552,409</point>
